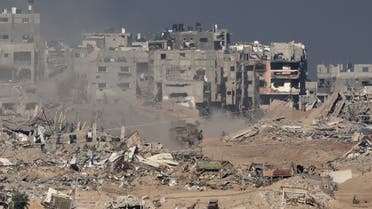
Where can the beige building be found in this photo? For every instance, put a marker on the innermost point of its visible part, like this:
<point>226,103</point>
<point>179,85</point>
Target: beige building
<point>21,51</point>
<point>339,76</point>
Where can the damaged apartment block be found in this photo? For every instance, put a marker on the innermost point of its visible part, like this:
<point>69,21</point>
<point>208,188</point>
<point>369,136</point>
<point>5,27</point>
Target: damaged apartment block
<point>21,52</point>
<point>346,78</point>
<point>191,67</point>
<point>113,66</point>
<point>285,77</point>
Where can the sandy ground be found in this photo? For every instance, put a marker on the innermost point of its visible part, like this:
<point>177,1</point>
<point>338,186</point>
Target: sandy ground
<point>278,153</point>
<point>360,187</point>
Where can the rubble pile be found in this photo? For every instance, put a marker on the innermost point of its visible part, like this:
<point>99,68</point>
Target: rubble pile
<point>338,129</point>
<point>67,155</point>
<point>41,154</point>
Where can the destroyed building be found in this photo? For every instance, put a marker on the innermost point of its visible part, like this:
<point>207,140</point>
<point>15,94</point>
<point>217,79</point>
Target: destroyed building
<point>236,77</point>
<point>111,65</point>
<point>343,77</point>
<point>280,70</point>
<point>21,54</point>
<point>192,67</point>
<point>180,36</point>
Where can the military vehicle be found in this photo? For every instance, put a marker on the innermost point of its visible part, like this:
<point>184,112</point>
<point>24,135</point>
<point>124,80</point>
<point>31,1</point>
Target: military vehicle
<point>186,132</point>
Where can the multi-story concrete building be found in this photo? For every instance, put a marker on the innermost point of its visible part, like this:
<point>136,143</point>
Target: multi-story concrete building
<point>110,65</point>
<point>279,71</point>
<point>286,77</point>
<point>21,51</point>
<point>338,77</point>
<point>192,67</point>
<point>187,77</point>
<point>18,26</point>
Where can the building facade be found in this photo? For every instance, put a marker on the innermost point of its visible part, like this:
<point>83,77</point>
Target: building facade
<point>21,53</point>
<point>192,67</point>
<point>339,76</point>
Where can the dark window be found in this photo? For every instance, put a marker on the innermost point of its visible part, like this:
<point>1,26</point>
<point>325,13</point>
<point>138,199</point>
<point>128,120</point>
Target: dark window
<point>4,37</point>
<point>9,106</point>
<point>365,83</point>
<point>249,68</point>
<point>24,74</point>
<point>321,83</point>
<point>260,66</point>
<point>218,45</point>
<point>122,59</point>
<point>102,85</point>
<point>203,40</point>
<point>6,55</point>
<point>102,69</point>
<point>177,85</point>
<point>4,19</point>
<point>365,69</point>
<point>22,58</point>
<point>199,75</point>
<point>124,86</point>
<point>124,69</point>
<point>174,95</point>
<point>232,68</point>
<point>163,56</point>
<point>262,83</point>
<point>27,38</point>
<point>182,54</point>
<point>25,20</point>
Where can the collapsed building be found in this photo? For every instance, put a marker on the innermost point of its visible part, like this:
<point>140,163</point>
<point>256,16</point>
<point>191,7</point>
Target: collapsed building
<point>192,67</point>
<point>21,53</point>
<point>343,77</point>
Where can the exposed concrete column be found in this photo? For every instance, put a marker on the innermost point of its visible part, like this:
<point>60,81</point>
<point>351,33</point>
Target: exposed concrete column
<point>122,133</point>
<point>94,129</point>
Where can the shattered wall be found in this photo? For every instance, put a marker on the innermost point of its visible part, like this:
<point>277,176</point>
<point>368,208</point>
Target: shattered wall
<point>187,75</point>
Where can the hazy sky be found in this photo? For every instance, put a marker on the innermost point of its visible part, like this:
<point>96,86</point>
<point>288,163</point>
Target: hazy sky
<point>334,31</point>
